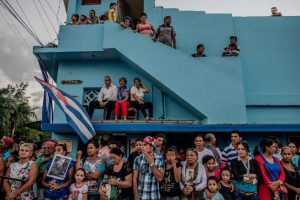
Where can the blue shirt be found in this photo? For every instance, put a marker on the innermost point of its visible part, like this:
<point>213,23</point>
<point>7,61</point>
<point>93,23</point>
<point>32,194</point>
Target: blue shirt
<point>229,154</point>
<point>272,169</point>
<point>55,194</point>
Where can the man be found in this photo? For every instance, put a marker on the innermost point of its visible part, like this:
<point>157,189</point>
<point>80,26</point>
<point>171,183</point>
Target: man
<point>106,98</point>
<point>210,143</point>
<point>160,139</point>
<point>275,12</point>
<point>232,49</point>
<point>148,171</point>
<point>200,51</point>
<point>48,148</point>
<point>166,33</point>
<point>230,152</point>
<point>138,151</point>
<point>93,18</point>
<point>199,146</point>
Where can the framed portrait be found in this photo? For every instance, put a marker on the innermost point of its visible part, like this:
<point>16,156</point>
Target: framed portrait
<point>59,167</point>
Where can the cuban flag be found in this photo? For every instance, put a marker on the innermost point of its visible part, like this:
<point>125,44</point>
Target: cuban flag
<point>47,114</point>
<point>76,115</point>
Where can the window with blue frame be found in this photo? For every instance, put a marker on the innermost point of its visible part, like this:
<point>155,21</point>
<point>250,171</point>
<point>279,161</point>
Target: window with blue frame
<point>91,2</point>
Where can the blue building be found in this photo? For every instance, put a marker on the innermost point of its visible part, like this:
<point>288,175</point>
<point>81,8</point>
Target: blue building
<point>256,93</point>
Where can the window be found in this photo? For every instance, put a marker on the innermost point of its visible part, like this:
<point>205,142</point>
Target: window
<point>91,2</point>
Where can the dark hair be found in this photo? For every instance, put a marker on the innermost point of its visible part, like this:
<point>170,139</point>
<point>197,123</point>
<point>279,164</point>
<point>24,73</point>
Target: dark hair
<point>117,151</point>
<point>112,4</point>
<point>93,11</point>
<point>236,132</point>
<point>245,145</point>
<point>103,17</point>
<point>143,14</point>
<point>123,79</point>
<point>63,146</point>
<point>199,135</point>
<point>116,143</point>
<point>263,144</point>
<point>76,15</point>
<point>84,16</point>
<point>225,169</point>
<point>160,135</point>
<point>104,140</point>
<point>167,17</point>
<point>276,140</point>
<point>93,142</point>
<point>212,178</point>
<point>172,149</point>
<point>139,140</point>
<point>207,158</point>
<point>136,79</point>
<point>199,46</point>
<point>233,37</point>
<point>81,169</point>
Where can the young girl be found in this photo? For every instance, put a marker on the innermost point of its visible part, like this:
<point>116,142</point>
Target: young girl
<point>212,193</point>
<point>210,165</point>
<point>56,188</point>
<point>227,187</point>
<point>78,190</point>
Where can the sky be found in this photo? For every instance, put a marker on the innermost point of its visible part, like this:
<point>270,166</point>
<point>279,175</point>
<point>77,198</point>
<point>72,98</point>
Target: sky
<point>18,64</point>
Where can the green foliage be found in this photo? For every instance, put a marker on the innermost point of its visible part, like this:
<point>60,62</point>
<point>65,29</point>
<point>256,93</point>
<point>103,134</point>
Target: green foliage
<point>16,112</point>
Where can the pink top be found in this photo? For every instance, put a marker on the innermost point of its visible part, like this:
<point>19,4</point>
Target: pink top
<point>145,29</point>
<point>104,152</point>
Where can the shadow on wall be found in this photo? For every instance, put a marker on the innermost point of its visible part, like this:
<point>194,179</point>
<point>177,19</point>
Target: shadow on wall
<point>132,8</point>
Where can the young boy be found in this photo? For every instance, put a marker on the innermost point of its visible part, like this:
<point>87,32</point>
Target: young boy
<point>166,33</point>
<point>112,12</point>
<point>232,49</point>
<point>212,191</point>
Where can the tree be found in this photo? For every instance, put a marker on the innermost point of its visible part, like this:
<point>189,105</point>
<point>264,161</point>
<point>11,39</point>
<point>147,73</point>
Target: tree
<point>16,112</point>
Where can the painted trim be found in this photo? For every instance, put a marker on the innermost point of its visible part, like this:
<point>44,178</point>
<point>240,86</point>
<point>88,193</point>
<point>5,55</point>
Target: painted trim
<point>181,128</point>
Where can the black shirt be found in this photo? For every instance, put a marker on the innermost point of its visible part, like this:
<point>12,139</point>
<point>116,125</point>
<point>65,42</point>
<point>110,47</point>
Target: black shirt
<point>169,187</point>
<point>226,192</point>
<point>120,176</point>
<point>132,157</point>
<point>239,170</point>
<point>291,178</point>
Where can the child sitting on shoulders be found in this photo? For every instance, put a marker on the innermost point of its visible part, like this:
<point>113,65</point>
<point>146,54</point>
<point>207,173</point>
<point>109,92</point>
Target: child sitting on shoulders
<point>212,190</point>
<point>227,186</point>
<point>78,190</point>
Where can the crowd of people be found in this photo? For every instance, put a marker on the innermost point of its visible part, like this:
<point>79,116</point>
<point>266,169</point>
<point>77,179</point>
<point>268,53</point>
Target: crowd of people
<point>154,170</point>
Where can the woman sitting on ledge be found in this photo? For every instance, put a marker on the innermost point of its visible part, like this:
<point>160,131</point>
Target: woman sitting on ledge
<point>122,99</point>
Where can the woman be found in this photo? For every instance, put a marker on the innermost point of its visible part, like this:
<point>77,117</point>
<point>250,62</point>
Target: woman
<point>56,188</point>
<point>193,177</point>
<point>271,186</point>
<point>119,175</point>
<point>122,99</point>
<point>137,99</point>
<point>24,174</point>
<point>245,171</point>
<point>144,27</point>
<point>94,167</point>
<point>291,175</point>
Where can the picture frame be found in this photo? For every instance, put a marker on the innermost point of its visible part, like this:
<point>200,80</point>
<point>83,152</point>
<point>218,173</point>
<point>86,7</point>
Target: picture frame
<point>59,167</point>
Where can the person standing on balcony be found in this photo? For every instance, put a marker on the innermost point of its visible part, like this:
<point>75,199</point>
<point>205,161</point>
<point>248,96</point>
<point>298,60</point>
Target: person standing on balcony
<point>144,27</point>
<point>200,51</point>
<point>232,49</point>
<point>166,33</point>
<point>122,99</point>
<point>106,99</point>
<point>74,20</point>
<point>83,20</point>
<point>112,12</point>
<point>275,12</point>
<point>137,99</point>
<point>93,18</point>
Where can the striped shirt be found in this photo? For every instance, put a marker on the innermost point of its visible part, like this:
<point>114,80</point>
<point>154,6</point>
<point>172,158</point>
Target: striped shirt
<point>229,154</point>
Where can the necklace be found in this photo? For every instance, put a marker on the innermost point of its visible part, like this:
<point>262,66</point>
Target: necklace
<point>290,172</point>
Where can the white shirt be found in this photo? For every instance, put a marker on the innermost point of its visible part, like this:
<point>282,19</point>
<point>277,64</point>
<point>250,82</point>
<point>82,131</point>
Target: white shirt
<point>138,92</point>
<point>203,153</point>
<point>109,93</point>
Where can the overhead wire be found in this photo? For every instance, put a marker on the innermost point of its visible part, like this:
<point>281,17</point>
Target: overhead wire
<point>57,19</point>
<point>42,20</point>
<point>7,6</point>
<point>51,24</point>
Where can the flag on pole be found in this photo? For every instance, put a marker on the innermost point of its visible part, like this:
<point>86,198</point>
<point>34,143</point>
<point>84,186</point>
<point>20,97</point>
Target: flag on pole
<point>76,115</point>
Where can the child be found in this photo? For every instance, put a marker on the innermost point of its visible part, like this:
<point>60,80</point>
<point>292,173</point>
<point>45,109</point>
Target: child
<point>103,18</point>
<point>126,22</point>
<point>78,190</point>
<point>227,187</point>
<point>166,33</point>
<point>211,193</point>
<point>210,165</point>
<point>112,12</point>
